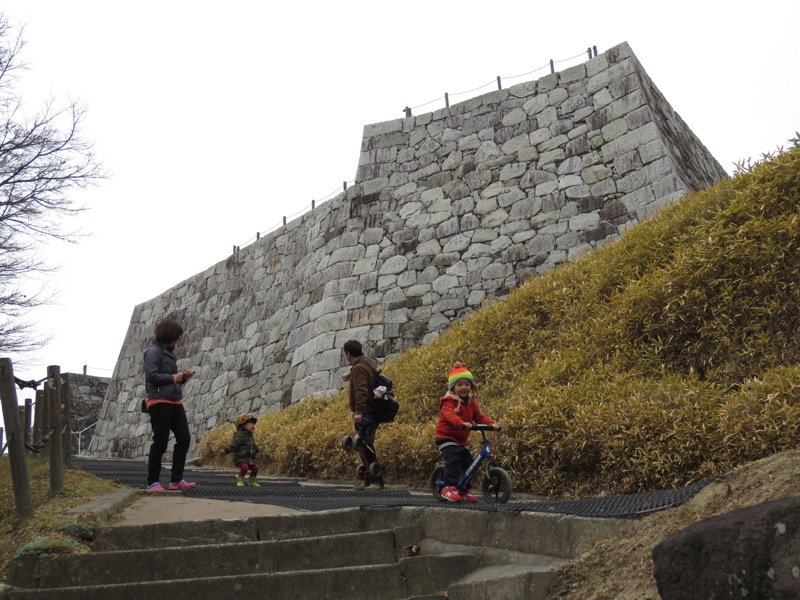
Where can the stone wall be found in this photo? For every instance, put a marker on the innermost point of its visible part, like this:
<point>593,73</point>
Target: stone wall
<point>87,394</point>
<point>450,209</point>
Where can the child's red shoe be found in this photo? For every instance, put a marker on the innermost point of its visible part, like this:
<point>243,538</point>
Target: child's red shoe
<point>470,498</point>
<point>451,494</point>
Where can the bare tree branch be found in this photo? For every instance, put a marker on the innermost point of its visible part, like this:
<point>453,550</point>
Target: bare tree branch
<point>43,159</point>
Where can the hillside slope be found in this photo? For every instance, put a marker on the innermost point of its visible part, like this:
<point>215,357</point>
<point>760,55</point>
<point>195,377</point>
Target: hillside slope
<point>622,569</point>
<point>663,358</point>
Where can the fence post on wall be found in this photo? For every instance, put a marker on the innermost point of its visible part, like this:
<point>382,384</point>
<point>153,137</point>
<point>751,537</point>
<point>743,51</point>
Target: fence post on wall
<point>499,85</point>
<point>446,100</point>
<point>20,479</point>
<point>552,67</point>
<point>55,426</point>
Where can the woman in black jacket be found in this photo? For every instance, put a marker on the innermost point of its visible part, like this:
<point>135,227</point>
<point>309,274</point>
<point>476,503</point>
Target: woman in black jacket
<point>165,406</point>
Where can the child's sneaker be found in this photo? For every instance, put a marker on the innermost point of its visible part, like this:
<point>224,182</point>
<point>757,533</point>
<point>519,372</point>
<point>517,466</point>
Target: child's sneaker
<point>155,487</point>
<point>239,481</point>
<point>451,494</point>
<point>470,498</point>
<point>181,485</point>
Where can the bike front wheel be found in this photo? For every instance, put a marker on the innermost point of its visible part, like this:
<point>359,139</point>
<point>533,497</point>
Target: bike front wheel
<point>496,486</point>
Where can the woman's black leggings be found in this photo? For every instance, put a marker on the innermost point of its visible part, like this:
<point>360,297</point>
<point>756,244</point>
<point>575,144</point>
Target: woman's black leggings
<point>166,417</point>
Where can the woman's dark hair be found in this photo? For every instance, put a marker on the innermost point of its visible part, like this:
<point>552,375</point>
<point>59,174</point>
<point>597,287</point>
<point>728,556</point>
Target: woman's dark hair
<point>168,331</point>
<point>353,348</point>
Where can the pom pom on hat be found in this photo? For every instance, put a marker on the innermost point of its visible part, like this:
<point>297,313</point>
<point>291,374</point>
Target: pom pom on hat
<point>459,371</point>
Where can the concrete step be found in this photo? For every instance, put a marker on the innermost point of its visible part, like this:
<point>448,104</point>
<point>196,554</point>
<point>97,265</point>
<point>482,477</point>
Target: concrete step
<point>371,552</point>
<point>504,581</point>
<point>213,560</point>
<point>202,533</point>
<point>421,577</point>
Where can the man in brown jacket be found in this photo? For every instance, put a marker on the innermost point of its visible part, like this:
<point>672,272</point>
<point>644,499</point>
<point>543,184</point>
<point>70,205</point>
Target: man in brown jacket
<point>362,382</point>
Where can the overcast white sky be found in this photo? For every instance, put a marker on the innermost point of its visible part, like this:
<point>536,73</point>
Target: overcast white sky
<point>217,119</point>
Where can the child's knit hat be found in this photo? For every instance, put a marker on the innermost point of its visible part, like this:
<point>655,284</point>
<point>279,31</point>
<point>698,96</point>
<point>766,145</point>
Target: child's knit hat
<point>459,371</point>
<point>245,418</point>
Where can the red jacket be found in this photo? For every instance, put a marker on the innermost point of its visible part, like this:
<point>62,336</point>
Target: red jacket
<point>453,412</point>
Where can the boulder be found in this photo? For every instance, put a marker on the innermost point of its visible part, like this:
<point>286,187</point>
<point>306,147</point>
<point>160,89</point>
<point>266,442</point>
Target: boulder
<point>747,553</point>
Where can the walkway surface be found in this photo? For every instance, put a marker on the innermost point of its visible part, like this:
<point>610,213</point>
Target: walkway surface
<point>216,496</point>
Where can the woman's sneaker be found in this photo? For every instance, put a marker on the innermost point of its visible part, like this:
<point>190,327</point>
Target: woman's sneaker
<point>181,485</point>
<point>451,494</point>
<point>155,487</point>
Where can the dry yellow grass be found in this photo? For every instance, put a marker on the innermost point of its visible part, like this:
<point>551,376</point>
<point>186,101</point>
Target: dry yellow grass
<point>664,358</point>
<point>50,529</point>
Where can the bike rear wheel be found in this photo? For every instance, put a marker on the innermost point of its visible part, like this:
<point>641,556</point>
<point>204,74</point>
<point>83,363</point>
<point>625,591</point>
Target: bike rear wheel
<point>437,476</point>
<point>496,486</point>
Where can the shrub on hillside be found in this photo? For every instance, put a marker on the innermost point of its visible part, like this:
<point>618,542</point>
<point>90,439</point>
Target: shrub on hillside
<point>663,358</point>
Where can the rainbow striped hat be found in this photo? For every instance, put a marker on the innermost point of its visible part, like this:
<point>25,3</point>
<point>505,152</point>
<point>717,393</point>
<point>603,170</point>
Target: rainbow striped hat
<point>459,371</point>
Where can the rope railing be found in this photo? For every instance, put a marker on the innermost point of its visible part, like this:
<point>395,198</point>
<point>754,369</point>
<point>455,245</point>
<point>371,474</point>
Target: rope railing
<point>591,52</point>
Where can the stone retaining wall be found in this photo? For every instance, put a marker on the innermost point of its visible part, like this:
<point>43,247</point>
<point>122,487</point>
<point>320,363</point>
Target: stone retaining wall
<point>450,209</point>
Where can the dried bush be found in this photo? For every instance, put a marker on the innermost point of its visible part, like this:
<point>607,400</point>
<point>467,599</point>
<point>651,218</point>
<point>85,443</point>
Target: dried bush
<point>658,360</point>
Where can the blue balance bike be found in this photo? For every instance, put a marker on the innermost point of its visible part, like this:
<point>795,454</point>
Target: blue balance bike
<point>496,484</point>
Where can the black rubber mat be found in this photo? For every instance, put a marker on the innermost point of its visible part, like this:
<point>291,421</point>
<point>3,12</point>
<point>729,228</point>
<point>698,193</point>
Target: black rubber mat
<point>308,496</point>
<point>616,506</point>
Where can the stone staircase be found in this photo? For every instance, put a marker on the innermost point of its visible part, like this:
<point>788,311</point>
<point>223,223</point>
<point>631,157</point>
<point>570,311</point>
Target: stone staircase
<point>359,553</point>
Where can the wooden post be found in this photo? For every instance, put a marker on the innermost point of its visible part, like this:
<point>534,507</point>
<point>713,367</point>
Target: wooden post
<point>55,425</point>
<point>66,403</point>
<point>407,111</point>
<point>499,85</point>
<point>446,100</point>
<point>47,409</point>
<point>38,413</point>
<point>552,66</point>
<point>28,424</point>
<point>20,479</point>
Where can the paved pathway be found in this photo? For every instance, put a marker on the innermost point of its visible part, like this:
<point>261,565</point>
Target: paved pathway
<point>304,495</point>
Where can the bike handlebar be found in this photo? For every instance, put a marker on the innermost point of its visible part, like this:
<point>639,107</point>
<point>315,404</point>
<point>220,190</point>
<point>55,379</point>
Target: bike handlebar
<point>482,427</point>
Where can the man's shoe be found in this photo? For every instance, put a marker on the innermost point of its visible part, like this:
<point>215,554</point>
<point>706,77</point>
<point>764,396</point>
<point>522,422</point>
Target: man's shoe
<point>181,485</point>
<point>155,487</point>
<point>451,494</point>
<point>377,484</point>
<point>470,498</point>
